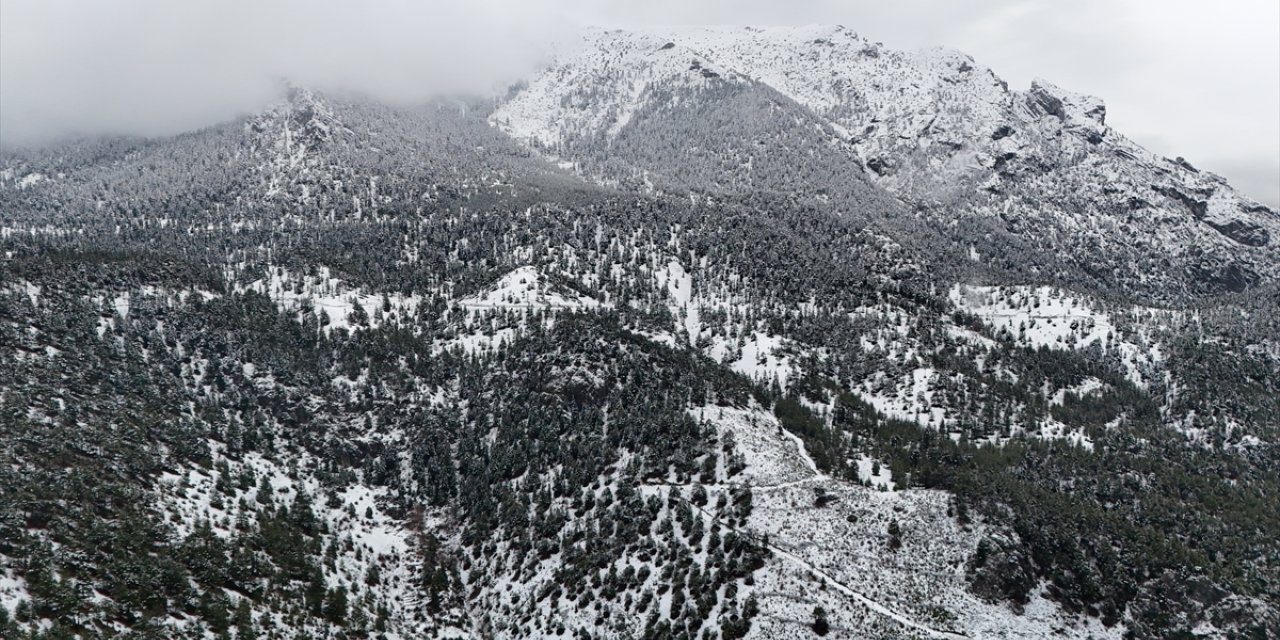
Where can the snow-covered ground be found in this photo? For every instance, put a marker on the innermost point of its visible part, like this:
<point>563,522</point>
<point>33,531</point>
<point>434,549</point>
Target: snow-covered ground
<point>351,515</point>
<point>13,589</point>
<point>630,66</point>
<point>1041,316</point>
<point>770,453</point>
<point>759,356</point>
<point>754,353</point>
<point>834,553</point>
<point>332,301</point>
<point>526,288</point>
<point>931,125</point>
<point>523,291</point>
<point>875,474</point>
<point>912,402</point>
<point>338,305</point>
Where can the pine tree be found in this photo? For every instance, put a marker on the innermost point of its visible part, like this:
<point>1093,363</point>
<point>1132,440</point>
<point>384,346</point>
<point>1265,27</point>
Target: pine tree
<point>245,629</point>
<point>820,624</point>
<point>335,605</point>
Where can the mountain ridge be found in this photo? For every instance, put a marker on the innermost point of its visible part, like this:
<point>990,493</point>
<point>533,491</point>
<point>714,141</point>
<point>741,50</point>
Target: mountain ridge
<point>942,133</point>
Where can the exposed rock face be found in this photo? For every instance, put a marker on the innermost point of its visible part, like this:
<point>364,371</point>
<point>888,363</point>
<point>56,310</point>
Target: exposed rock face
<point>1244,232</point>
<point>1073,107</point>
<point>302,122</point>
<point>1230,276</point>
<point>1197,603</point>
<point>1198,208</point>
<point>1000,570</point>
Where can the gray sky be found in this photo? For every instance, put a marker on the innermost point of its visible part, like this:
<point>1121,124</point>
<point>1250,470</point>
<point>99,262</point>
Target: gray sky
<point>1183,77</point>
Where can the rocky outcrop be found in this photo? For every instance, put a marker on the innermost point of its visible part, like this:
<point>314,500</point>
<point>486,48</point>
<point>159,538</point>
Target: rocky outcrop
<point>1001,571</point>
<point>1191,601</point>
<point>1246,233</point>
<point>1045,98</point>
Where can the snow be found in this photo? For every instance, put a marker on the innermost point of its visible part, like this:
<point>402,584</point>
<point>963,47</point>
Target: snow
<point>1079,109</point>
<point>1089,386</point>
<point>871,585</point>
<point>523,290</point>
<point>554,107</point>
<point>867,472</point>
<point>804,454</point>
<point>478,341</point>
<point>1043,316</point>
<point>758,356</point>
<point>526,288</point>
<point>121,304</point>
<point>831,70</point>
<point>665,338</point>
<point>33,292</point>
<point>332,297</point>
<point>773,456</point>
<point>912,403</point>
<point>836,556</point>
<point>678,284</point>
<point>865,601</point>
<point>191,496</point>
<point>13,590</point>
<point>952,124</point>
<point>970,336</point>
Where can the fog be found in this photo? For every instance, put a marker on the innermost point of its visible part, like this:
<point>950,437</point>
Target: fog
<point>70,67</point>
<point>1185,78</point>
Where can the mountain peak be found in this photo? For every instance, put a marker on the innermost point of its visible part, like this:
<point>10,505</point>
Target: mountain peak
<point>933,127</point>
<point>301,120</point>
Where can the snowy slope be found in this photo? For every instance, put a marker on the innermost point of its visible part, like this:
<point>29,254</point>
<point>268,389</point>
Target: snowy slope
<point>757,354</point>
<point>355,515</point>
<point>526,288</point>
<point>1057,319</point>
<point>597,87</point>
<point>835,555</point>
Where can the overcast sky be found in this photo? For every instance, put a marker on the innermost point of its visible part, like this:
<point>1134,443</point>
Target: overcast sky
<point>1183,77</point>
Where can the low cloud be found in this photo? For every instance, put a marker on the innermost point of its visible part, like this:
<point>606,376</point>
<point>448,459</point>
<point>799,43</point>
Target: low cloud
<point>152,67</point>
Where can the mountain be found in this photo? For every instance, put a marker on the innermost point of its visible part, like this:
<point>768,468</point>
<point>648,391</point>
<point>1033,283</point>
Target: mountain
<point>697,333</point>
<point>1038,170</point>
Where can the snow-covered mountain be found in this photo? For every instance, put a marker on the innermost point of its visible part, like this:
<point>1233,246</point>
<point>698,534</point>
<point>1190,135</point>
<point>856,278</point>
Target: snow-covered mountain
<point>1039,167</point>
<point>698,333</point>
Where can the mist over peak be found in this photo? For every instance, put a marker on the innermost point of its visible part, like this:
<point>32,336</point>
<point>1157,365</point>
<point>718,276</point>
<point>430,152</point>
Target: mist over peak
<point>148,67</point>
<point>145,67</point>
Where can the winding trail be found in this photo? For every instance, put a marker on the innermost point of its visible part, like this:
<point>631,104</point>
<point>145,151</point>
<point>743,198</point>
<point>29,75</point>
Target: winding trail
<point>868,602</point>
<point>877,607</point>
<point>874,606</point>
